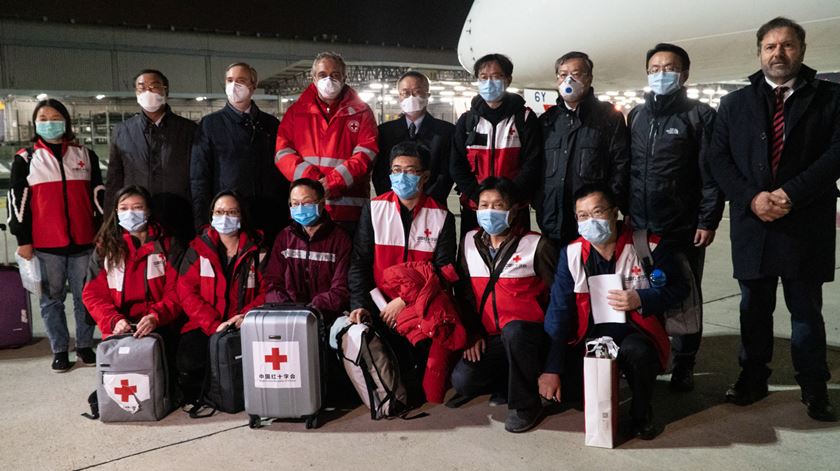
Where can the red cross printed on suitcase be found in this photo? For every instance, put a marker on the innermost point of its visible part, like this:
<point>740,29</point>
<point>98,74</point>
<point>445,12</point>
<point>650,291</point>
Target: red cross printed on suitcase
<point>276,358</point>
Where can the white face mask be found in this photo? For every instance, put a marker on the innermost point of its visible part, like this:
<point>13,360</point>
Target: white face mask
<point>328,88</point>
<point>570,89</point>
<point>237,93</point>
<point>150,101</point>
<point>413,104</point>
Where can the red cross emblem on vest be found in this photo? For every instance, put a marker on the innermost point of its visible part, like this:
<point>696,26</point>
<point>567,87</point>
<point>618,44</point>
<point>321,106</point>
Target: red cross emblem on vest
<point>516,258</point>
<point>81,164</point>
<point>276,358</point>
<point>124,390</point>
<point>427,232</point>
<point>353,126</point>
<point>636,271</point>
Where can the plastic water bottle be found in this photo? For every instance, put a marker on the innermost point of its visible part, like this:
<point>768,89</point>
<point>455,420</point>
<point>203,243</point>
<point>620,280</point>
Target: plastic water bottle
<point>658,278</point>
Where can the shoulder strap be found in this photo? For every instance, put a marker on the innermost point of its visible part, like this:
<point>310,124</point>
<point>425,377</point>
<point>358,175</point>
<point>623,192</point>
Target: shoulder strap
<point>495,274</point>
<point>640,243</point>
<point>470,125</point>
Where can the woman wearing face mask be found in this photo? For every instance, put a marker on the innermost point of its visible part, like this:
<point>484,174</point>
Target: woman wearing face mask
<point>498,137</point>
<point>219,283</point>
<point>131,280</point>
<point>507,271</point>
<point>54,201</point>
<point>311,256</point>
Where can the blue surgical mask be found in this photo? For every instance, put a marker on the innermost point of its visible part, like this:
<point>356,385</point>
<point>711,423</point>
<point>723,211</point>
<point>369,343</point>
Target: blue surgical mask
<point>225,224</point>
<point>50,130</point>
<point>664,83</point>
<point>596,231</point>
<point>306,214</point>
<point>404,185</point>
<point>493,221</point>
<point>131,220</point>
<point>491,89</point>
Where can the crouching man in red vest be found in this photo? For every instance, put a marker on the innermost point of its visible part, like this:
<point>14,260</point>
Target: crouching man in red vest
<point>402,225</point>
<point>508,271</point>
<point>606,247</point>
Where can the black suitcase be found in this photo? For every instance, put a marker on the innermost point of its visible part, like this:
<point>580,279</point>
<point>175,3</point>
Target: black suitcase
<point>223,389</point>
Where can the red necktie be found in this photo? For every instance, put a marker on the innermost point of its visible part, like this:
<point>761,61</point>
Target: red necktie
<point>778,129</point>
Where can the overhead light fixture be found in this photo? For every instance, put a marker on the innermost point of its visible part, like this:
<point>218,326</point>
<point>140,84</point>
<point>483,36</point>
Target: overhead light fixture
<point>513,89</point>
<point>604,97</point>
<point>461,88</point>
<point>629,93</point>
<point>41,96</point>
<point>100,96</point>
<point>611,93</point>
<point>693,91</point>
<point>447,93</point>
<point>446,99</point>
<point>200,98</point>
<point>436,88</point>
<point>708,91</point>
<point>375,86</point>
<point>366,95</point>
<point>646,89</point>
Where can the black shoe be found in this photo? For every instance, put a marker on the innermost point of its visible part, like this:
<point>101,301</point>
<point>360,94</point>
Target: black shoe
<point>522,420</point>
<point>819,407</point>
<point>498,399</point>
<point>458,400</point>
<point>682,379</point>
<point>87,355</point>
<point>746,390</point>
<point>646,429</point>
<point>61,362</point>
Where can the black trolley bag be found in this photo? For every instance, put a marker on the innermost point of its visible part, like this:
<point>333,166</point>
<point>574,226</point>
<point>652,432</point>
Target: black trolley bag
<point>223,389</point>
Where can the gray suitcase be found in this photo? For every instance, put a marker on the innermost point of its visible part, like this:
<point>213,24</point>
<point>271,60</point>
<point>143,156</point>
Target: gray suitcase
<point>283,363</point>
<point>132,379</point>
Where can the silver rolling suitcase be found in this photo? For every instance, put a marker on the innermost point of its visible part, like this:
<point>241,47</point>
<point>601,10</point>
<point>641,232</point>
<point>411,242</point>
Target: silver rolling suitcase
<point>283,362</point>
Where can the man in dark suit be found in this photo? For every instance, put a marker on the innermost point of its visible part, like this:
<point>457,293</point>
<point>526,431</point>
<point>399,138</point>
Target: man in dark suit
<point>415,124</point>
<point>776,155</point>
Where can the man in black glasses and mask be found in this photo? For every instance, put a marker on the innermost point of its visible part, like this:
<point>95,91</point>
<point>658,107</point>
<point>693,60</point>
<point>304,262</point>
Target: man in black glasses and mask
<point>234,150</point>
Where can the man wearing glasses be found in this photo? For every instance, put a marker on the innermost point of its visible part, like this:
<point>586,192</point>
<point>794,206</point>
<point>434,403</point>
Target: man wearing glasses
<point>672,192</point>
<point>152,150</point>
<point>416,124</point>
<point>585,142</point>
<point>329,135</point>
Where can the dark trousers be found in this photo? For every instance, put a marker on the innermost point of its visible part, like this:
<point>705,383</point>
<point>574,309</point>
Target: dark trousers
<point>684,347</point>
<point>511,362</point>
<point>192,360</point>
<point>807,341</point>
<point>638,360</point>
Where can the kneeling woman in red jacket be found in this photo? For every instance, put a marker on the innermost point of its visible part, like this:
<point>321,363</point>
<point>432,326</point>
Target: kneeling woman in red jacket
<point>219,283</point>
<point>130,280</point>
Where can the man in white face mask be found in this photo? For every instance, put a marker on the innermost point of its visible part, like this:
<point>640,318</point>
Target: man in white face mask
<point>585,142</point>
<point>329,135</point>
<point>152,150</point>
<point>234,150</point>
<point>672,192</point>
<point>416,124</point>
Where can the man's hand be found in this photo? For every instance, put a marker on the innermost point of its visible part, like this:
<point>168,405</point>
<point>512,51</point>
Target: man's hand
<point>474,353</point>
<point>233,321</point>
<point>391,310</point>
<point>549,384</point>
<point>358,316</point>
<point>703,237</point>
<point>146,326</point>
<point>121,327</point>
<point>323,181</point>
<point>624,299</point>
<point>25,251</point>
<point>781,198</point>
<point>770,206</point>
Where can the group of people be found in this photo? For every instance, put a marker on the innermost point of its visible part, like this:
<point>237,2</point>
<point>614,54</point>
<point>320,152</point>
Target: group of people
<point>500,309</point>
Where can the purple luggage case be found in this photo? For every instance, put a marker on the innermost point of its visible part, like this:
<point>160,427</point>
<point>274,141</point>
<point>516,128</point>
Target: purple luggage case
<point>15,311</point>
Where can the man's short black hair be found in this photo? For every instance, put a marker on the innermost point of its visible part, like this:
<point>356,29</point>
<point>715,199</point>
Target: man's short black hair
<point>155,72</point>
<point>592,188</point>
<point>315,185</point>
<point>418,75</point>
<point>412,149</point>
<point>574,55</point>
<point>779,22</point>
<point>505,187</point>
<point>667,47</point>
<point>504,63</point>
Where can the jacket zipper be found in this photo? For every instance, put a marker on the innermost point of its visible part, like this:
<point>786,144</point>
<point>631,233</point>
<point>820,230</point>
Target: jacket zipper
<point>654,128</point>
<point>492,138</point>
<point>66,200</point>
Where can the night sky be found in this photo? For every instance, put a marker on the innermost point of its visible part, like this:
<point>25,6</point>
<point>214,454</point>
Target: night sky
<point>432,24</point>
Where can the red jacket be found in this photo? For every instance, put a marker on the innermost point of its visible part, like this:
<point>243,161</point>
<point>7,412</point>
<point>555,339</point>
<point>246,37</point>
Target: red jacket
<point>143,284</point>
<point>340,149</point>
<point>203,289</point>
<point>430,313</point>
<point>311,270</point>
<point>52,200</point>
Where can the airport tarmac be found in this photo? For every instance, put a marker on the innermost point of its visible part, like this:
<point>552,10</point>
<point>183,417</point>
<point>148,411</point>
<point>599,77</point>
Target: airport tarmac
<point>42,427</point>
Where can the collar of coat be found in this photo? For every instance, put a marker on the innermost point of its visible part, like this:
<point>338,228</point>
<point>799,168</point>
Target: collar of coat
<point>511,103</point>
<point>806,76</point>
<point>210,240</point>
<point>323,231</point>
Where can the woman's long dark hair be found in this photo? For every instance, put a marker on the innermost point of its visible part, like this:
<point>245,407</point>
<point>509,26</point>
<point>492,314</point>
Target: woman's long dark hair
<point>110,244</point>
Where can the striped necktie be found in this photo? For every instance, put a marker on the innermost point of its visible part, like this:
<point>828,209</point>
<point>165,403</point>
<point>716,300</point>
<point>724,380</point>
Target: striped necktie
<point>412,131</point>
<point>778,129</point>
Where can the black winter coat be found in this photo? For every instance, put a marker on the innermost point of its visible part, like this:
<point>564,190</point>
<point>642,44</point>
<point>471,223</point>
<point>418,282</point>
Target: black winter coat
<point>672,192</point>
<point>801,244</point>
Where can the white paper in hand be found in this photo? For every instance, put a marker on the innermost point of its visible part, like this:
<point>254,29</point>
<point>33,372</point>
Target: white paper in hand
<point>599,287</point>
<point>378,298</point>
<point>30,273</point>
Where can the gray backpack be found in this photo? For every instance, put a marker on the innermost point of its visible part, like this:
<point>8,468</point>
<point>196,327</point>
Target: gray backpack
<point>133,379</point>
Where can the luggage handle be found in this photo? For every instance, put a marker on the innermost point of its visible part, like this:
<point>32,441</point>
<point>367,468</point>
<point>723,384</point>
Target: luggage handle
<point>275,337</point>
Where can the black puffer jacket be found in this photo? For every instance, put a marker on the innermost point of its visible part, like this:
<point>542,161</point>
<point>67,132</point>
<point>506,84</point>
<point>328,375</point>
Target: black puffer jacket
<point>672,192</point>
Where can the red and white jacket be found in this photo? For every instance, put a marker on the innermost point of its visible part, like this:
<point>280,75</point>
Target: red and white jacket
<point>628,265</point>
<point>144,283</point>
<point>518,295</point>
<point>53,200</point>
<point>390,246</point>
<point>340,148</point>
<point>203,289</point>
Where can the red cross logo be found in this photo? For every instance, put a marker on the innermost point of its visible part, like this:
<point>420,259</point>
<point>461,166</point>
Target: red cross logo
<point>636,271</point>
<point>353,126</point>
<point>276,358</point>
<point>81,164</point>
<point>516,258</point>
<point>512,131</point>
<point>125,391</point>
<point>427,232</point>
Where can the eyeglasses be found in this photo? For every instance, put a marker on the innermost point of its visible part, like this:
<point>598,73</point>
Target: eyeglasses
<point>297,204</point>
<point>597,213</point>
<point>406,170</point>
<point>152,87</point>
<point>419,92</point>
<point>575,75</point>
<point>654,69</point>
<point>337,76</point>
<point>229,212</point>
